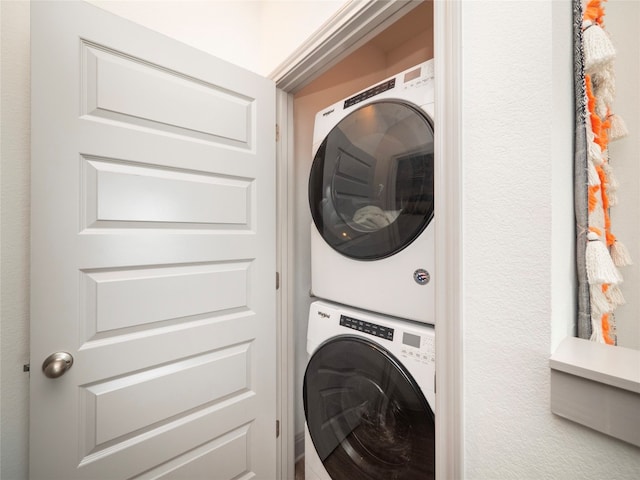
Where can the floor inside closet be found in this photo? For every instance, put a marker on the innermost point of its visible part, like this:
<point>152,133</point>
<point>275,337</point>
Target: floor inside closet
<point>300,469</point>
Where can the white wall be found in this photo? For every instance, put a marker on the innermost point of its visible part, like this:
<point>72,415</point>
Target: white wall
<point>228,29</point>
<point>512,116</point>
<point>14,238</point>
<point>247,33</point>
<point>622,19</point>
<point>278,43</point>
<point>563,272</point>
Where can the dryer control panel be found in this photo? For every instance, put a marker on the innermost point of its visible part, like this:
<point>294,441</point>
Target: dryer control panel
<point>414,85</point>
<point>372,92</point>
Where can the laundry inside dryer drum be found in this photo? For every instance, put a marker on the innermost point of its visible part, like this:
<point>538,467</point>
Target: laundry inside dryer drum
<point>371,182</point>
<point>366,415</point>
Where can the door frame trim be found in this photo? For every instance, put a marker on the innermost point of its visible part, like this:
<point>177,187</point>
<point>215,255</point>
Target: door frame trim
<point>449,294</point>
<point>348,29</point>
<point>285,444</point>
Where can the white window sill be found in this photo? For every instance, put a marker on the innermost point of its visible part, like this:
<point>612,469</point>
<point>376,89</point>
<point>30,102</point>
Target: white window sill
<point>597,386</point>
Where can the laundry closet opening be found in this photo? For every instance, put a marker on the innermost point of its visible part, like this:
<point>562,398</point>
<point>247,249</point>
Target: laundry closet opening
<point>405,44</point>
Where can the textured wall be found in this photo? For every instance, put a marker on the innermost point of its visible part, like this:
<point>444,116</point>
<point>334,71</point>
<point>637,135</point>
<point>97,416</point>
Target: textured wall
<point>511,118</point>
<point>14,240</point>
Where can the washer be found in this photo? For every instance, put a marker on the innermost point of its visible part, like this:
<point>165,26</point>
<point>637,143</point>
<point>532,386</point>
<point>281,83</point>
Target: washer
<point>369,396</point>
<point>371,198</point>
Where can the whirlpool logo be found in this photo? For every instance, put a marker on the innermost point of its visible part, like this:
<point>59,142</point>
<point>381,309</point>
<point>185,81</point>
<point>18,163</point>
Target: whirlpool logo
<point>328,112</point>
<point>421,276</point>
<point>323,315</point>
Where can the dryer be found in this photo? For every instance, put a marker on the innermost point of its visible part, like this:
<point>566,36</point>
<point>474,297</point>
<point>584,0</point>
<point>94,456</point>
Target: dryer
<point>371,198</point>
<point>369,396</point>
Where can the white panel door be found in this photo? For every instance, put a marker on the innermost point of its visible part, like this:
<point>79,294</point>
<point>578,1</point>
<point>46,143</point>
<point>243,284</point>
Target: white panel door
<point>153,255</point>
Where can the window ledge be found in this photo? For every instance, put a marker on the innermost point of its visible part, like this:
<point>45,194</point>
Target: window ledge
<point>597,386</point>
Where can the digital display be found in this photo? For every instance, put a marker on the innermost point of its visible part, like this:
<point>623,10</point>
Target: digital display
<point>412,75</point>
<point>410,339</point>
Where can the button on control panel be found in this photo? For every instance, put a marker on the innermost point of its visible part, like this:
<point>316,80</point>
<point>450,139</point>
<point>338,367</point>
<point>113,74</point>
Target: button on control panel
<point>367,327</point>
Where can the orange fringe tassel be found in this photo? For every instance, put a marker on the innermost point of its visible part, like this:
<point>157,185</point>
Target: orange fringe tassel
<point>593,199</point>
<point>597,125</point>
<point>607,220</point>
<point>591,100</point>
<point>594,12</point>
<point>604,135</point>
<point>606,329</point>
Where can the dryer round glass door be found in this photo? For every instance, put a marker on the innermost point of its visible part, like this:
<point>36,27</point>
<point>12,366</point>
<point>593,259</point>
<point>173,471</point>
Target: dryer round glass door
<point>366,415</point>
<point>371,182</point>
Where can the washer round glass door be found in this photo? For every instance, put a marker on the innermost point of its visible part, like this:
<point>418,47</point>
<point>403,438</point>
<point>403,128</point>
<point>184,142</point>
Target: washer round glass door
<point>366,415</point>
<point>371,181</point>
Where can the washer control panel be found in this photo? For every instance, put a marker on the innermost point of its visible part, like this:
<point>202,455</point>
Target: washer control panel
<point>367,327</point>
<point>418,347</point>
<point>412,344</point>
<point>406,344</point>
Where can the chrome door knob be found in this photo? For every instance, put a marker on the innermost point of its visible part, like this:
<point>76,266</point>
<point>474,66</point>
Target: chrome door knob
<point>56,364</point>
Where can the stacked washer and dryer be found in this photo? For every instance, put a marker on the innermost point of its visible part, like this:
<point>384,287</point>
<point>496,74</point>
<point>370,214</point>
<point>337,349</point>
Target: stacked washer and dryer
<point>369,385</point>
